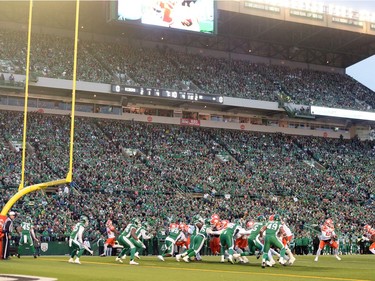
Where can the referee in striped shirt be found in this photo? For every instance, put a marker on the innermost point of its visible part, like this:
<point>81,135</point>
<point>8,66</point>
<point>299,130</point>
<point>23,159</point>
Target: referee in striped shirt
<point>7,230</point>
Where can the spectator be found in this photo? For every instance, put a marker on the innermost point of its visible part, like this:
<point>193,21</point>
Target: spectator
<point>11,79</point>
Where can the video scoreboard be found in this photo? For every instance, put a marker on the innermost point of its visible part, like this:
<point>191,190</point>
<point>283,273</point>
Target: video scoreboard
<point>190,15</point>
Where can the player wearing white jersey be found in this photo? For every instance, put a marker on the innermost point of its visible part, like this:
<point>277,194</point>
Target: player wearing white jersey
<point>111,234</point>
<point>328,237</point>
<point>287,237</point>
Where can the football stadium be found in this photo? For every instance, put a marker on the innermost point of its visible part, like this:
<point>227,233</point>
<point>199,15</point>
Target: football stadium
<point>214,140</point>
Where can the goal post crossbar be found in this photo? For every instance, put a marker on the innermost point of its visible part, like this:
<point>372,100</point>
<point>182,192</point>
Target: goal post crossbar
<point>27,190</point>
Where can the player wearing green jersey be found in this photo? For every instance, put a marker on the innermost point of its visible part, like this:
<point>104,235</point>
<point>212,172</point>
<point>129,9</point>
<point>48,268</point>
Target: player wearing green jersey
<point>202,226</point>
<point>142,233</point>
<point>129,240</point>
<point>27,237</point>
<point>227,235</point>
<point>253,240</point>
<point>175,234</point>
<point>227,240</point>
<point>193,230</point>
<point>271,233</point>
<point>76,244</point>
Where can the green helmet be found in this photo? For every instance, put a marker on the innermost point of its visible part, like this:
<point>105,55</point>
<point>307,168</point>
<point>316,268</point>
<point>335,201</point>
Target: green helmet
<point>84,220</point>
<point>146,225</point>
<point>261,218</point>
<point>135,221</point>
<point>197,219</point>
<point>239,222</point>
<point>276,217</point>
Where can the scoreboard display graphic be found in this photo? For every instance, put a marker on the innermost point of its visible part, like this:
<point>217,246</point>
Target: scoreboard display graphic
<point>191,15</point>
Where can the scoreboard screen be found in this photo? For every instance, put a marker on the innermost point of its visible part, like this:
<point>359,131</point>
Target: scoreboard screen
<point>191,15</point>
<point>168,94</point>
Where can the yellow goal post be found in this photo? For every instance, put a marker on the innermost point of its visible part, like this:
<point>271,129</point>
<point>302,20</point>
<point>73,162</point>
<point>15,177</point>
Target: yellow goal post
<point>25,190</point>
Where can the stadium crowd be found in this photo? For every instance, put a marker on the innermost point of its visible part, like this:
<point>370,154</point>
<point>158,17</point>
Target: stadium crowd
<point>177,172</point>
<point>134,64</point>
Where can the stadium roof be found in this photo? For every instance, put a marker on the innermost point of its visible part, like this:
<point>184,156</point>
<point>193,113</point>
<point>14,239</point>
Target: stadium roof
<point>238,33</point>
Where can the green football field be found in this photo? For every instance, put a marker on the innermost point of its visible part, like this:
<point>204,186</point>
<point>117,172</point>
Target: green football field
<point>150,268</point>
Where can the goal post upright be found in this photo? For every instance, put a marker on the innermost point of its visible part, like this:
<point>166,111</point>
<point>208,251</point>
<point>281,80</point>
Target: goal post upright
<point>70,171</point>
<point>26,97</point>
<point>25,190</point>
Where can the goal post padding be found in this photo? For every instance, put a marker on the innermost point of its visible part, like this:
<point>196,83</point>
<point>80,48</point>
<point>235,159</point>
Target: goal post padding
<point>2,221</point>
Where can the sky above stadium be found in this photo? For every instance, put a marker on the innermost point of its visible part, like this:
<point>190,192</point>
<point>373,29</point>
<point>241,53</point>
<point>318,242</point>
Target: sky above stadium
<point>363,71</point>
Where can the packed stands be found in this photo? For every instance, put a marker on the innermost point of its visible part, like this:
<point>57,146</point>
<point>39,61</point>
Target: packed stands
<point>176,172</point>
<point>163,67</point>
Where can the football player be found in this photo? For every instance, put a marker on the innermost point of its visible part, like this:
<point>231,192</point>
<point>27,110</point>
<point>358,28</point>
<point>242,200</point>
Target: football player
<point>227,236</point>
<point>370,235</point>
<point>252,231</point>
<point>184,241</point>
<point>27,237</point>
<point>287,237</point>
<point>328,237</point>
<point>76,244</point>
<point>111,231</point>
<point>129,240</point>
<point>174,235</point>
<point>202,226</point>
<point>215,240</point>
<point>271,231</point>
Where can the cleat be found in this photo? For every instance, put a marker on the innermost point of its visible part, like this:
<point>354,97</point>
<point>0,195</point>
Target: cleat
<point>258,255</point>
<point>103,255</point>
<point>292,260</point>
<point>236,256</point>
<point>178,257</point>
<point>18,255</point>
<point>91,252</point>
<point>272,262</point>
<point>282,261</point>
<point>71,260</point>
<point>34,256</point>
<point>316,259</point>
<point>222,259</point>
<point>263,265</point>
<point>119,260</point>
<point>337,257</point>
<point>230,259</point>
<point>133,263</point>
<point>245,259</point>
<point>186,259</point>
<point>123,257</point>
<point>268,263</point>
<point>160,257</point>
<point>137,255</point>
<point>77,261</point>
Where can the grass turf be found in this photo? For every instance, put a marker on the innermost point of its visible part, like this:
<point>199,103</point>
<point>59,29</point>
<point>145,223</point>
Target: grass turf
<point>150,268</point>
